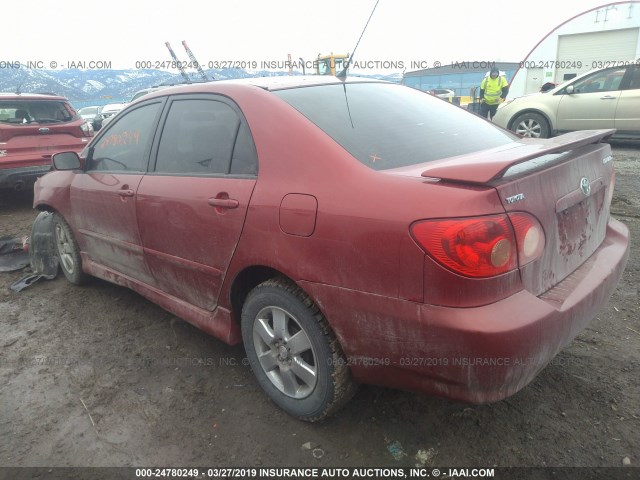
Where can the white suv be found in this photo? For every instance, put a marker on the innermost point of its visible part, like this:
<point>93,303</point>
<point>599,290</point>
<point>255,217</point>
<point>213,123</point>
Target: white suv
<point>106,114</point>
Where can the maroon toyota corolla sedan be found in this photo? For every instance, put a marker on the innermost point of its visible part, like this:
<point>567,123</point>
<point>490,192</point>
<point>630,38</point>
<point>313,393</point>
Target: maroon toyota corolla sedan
<point>347,231</point>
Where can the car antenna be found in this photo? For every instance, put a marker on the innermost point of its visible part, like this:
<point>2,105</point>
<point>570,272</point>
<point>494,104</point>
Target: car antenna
<point>343,73</point>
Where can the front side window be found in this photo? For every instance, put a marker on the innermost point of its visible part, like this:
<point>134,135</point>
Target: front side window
<point>124,145</point>
<point>604,81</point>
<point>387,126</point>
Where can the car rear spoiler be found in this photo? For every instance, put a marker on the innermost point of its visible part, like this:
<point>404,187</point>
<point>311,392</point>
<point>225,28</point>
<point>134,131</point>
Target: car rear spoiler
<point>485,166</point>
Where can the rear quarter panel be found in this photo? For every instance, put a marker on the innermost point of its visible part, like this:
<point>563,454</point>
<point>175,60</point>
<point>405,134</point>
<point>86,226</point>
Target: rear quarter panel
<point>361,239</point>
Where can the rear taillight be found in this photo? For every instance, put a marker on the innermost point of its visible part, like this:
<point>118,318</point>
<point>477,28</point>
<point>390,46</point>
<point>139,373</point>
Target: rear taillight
<point>87,129</point>
<point>481,246</point>
<point>612,186</point>
<point>529,236</point>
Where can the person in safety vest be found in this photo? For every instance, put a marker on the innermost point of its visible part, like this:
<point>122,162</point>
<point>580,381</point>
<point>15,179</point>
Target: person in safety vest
<point>493,90</point>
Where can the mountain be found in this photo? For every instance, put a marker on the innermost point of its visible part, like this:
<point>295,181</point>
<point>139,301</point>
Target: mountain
<point>81,85</point>
<point>105,86</point>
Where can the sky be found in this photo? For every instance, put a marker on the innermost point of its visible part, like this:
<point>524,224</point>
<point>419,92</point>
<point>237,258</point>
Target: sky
<point>402,34</point>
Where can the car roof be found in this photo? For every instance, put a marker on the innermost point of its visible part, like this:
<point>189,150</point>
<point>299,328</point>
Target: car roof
<point>30,96</point>
<point>267,83</point>
<point>290,81</point>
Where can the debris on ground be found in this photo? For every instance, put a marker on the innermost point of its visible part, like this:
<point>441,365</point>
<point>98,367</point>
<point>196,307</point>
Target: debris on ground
<point>14,253</point>
<point>318,453</point>
<point>425,457</point>
<point>42,254</point>
<point>396,451</point>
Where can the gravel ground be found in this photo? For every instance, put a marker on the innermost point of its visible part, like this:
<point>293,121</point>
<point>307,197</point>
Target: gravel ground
<point>98,376</point>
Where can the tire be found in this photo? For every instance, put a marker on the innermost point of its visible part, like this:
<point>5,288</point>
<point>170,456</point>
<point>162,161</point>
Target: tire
<point>531,125</point>
<point>68,251</point>
<point>295,357</point>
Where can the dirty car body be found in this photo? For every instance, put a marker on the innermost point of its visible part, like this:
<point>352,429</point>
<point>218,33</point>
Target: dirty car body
<point>347,231</point>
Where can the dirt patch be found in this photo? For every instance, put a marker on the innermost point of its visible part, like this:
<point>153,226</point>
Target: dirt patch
<point>98,376</point>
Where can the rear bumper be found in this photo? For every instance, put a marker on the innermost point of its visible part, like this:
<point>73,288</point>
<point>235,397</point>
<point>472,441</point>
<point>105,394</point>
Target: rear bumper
<point>478,355</point>
<point>21,177</point>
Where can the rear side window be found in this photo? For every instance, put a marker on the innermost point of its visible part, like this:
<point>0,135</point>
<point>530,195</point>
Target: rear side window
<point>388,126</point>
<point>203,137</point>
<point>244,160</point>
<point>24,112</point>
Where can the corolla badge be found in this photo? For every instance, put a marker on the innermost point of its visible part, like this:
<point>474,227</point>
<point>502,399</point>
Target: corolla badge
<point>585,186</point>
<point>515,198</point>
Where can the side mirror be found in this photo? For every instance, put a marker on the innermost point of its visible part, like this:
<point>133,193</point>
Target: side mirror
<point>66,161</point>
<point>569,89</point>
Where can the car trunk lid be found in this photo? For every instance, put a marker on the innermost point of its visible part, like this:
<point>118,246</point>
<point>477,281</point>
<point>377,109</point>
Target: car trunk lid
<point>564,182</point>
<point>34,143</point>
<point>571,199</point>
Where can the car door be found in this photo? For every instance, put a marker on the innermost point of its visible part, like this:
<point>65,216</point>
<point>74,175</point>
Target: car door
<point>628,111</point>
<point>103,198</point>
<point>192,206</point>
<point>593,101</point>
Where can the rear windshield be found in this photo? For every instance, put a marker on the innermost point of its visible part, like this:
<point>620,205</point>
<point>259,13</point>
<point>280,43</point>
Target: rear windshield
<point>388,126</point>
<point>43,111</point>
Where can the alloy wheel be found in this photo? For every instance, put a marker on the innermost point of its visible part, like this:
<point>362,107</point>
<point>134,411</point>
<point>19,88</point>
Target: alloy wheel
<point>529,128</point>
<point>65,249</point>
<point>285,352</point>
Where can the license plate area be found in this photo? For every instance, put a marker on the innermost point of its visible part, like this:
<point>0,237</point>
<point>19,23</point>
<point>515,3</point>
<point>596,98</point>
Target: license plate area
<point>579,232</point>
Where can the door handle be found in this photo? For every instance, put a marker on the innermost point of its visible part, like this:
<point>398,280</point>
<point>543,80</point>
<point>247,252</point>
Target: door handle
<point>126,193</point>
<point>608,97</point>
<point>223,202</point>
